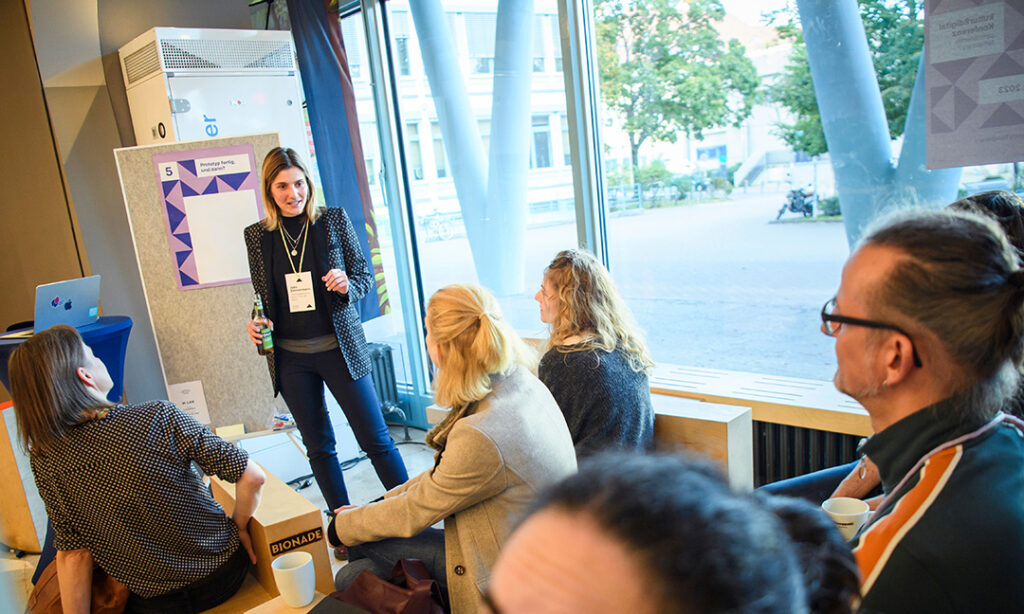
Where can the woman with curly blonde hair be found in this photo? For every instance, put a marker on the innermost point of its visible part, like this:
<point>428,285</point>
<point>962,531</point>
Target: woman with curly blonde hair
<point>596,362</point>
<point>503,441</point>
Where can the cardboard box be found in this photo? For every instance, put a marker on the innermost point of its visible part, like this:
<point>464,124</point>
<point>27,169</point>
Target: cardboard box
<point>285,521</point>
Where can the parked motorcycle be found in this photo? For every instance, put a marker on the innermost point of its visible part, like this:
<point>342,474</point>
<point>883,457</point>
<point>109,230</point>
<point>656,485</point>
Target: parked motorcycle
<point>800,200</point>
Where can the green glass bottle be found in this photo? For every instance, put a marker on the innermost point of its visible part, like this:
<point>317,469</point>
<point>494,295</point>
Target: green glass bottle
<point>267,347</point>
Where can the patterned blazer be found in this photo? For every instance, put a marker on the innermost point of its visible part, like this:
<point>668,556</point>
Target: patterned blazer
<point>335,246</point>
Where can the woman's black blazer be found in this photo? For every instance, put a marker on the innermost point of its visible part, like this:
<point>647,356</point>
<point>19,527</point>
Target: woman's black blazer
<point>335,246</point>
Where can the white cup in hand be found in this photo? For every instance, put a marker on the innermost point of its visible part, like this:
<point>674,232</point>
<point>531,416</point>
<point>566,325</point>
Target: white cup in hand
<point>848,513</point>
<point>295,578</point>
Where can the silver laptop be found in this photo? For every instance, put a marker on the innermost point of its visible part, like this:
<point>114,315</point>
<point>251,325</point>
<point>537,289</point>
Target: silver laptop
<point>75,302</point>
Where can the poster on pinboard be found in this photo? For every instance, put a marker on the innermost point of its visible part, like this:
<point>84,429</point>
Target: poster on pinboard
<point>974,77</point>
<point>208,197</point>
<point>200,334</point>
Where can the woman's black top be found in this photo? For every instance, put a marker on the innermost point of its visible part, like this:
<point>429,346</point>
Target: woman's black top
<point>301,324</point>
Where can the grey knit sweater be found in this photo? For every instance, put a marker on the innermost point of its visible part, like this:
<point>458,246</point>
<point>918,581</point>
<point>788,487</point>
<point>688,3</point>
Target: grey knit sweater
<point>606,404</point>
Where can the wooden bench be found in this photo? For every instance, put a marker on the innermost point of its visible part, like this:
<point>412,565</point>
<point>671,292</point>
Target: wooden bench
<point>721,432</point>
<point>812,404</point>
<point>252,598</point>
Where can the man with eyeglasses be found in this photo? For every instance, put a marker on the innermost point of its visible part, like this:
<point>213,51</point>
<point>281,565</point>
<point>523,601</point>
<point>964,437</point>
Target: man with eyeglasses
<point>928,325</point>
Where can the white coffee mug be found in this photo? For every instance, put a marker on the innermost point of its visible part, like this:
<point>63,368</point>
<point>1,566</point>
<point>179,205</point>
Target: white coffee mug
<point>295,578</point>
<point>848,513</point>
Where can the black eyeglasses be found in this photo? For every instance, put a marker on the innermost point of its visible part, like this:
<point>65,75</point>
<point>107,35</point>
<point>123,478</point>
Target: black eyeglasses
<point>832,322</point>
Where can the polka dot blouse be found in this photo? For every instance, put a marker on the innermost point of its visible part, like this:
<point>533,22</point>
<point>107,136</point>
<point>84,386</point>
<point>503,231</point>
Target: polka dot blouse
<point>123,487</point>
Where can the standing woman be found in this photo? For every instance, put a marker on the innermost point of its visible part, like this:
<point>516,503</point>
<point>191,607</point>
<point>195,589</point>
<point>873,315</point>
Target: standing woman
<point>502,442</point>
<point>119,487</point>
<point>307,266</point>
<point>596,363</point>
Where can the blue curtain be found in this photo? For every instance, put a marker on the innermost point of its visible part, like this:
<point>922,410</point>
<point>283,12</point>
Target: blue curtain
<point>330,100</point>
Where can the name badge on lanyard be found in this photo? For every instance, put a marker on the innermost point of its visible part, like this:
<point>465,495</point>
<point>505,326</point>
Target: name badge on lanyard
<point>300,291</point>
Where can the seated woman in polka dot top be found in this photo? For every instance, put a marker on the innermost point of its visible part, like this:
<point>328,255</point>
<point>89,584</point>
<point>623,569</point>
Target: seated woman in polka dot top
<point>119,488</point>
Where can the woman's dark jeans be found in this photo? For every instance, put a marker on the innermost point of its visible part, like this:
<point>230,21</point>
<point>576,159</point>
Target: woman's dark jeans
<point>302,379</point>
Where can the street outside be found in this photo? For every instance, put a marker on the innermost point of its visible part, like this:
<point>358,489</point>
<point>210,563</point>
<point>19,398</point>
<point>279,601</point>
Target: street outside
<point>715,284</point>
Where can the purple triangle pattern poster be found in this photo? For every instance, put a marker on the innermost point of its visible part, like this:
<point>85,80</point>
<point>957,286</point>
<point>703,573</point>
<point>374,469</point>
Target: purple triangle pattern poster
<point>974,77</point>
<point>208,196</point>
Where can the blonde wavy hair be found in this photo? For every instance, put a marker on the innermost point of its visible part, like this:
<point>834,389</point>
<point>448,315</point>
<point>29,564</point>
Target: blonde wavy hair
<point>279,159</point>
<point>474,342</point>
<point>590,307</point>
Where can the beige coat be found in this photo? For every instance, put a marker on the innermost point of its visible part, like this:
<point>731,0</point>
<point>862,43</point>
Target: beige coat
<point>494,463</point>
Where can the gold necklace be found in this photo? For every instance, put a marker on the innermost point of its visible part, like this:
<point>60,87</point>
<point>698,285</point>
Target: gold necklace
<point>294,252</point>
<point>292,244</point>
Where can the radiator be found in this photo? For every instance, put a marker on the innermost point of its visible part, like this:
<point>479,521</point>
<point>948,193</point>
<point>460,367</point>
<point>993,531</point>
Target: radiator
<point>382,370</point>
<point>782,451</point>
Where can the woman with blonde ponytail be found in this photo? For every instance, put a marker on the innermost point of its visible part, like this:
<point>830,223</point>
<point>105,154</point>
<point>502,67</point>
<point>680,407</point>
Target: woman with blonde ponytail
<point>503,440</point>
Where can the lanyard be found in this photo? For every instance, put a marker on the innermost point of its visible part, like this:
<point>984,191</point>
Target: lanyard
<point>288,252</point>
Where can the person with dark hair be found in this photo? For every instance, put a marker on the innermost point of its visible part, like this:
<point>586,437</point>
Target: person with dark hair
<point>318,336</point>
<point>119,488</point>
<point>596,361</point>
<point>653,534</point>
<point>502,441</point>
<point>928,325</point>
<point>831,578</point>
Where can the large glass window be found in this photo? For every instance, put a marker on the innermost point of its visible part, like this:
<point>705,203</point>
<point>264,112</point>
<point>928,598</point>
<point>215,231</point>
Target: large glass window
<point>390,327</point>
<point>400,36</point>
<point>540,144</point>
<point>492,208</point>
<point>566,151</point>
<point>710,274</point>
<point>703,149</point>
<point>484,126</point>
<point>479,29</point>
<point>538,43</point>
<point>414,157</point>
<point>353,50</point>
<point>440,158</point>
<point>557,40</point>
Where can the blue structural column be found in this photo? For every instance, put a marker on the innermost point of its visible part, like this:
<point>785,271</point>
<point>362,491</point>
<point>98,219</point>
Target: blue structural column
<point>915,182</point>
<point>850,104</point>
<point>855,125</point>
<point>492,201</point>
<point>501,267</point>
<point>455,117</point>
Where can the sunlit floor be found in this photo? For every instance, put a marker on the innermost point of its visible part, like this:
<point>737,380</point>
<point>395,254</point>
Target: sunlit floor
<point>361,481</point>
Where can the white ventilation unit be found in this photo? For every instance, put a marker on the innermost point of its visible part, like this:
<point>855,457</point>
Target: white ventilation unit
<point>187,83</point>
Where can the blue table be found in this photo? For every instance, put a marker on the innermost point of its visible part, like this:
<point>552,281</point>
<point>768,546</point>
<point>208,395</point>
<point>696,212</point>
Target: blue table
<point>108,338</point>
